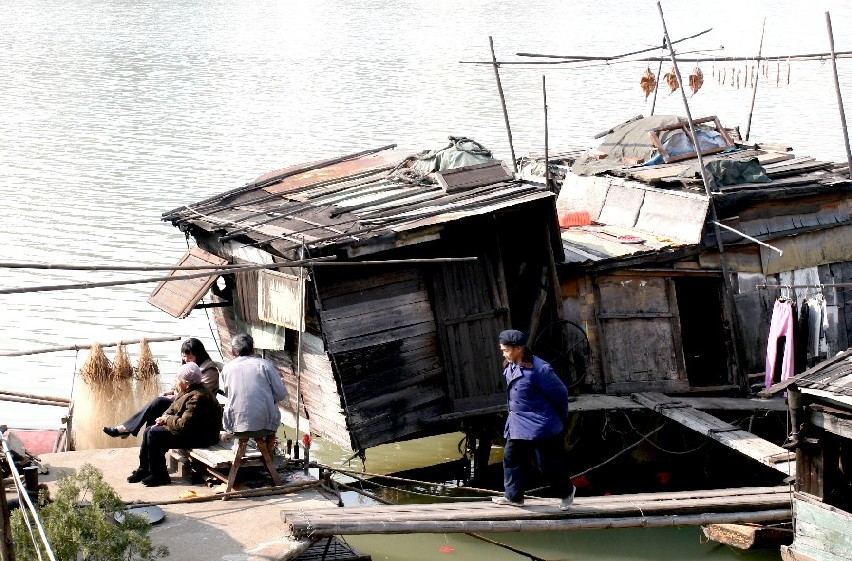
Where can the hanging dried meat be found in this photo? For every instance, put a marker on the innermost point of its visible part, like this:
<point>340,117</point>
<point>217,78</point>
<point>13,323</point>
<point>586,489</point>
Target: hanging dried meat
<point>671,80</point>
<point>696,80</point>
<point>648,82</point>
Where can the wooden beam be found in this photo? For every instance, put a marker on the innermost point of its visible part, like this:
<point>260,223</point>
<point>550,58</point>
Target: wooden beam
<point>832,423</point>
<point>731,436</point>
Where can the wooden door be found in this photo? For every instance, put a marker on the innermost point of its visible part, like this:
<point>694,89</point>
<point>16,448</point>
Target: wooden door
<point>640,340</point>
<point>469,315</point>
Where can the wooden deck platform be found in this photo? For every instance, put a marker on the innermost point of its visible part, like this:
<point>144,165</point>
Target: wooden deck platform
<point>731,436</point>
<point>718,506</point>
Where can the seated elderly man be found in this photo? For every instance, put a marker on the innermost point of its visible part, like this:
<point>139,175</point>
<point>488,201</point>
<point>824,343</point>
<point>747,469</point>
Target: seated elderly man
<point>252,386</point>
<point>193,420</point>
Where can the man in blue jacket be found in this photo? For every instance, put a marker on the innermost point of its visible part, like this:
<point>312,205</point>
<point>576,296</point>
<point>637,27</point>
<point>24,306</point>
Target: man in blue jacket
<point>538,408</point>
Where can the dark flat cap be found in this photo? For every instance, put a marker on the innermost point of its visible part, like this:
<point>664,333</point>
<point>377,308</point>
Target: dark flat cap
<point>513,337</point>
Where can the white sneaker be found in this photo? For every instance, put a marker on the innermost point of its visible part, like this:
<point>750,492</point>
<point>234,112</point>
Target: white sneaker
<point>506,501</point>
<point>568,501</point>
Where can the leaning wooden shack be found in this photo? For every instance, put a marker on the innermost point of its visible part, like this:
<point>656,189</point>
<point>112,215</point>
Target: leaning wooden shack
<point>390,328</point>
<point>820,402</point>
<point>642,277</point>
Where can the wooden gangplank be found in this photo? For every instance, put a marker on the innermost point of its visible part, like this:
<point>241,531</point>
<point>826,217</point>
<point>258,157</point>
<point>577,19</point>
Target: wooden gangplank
<point>685,508</point>
<point>731,436</point>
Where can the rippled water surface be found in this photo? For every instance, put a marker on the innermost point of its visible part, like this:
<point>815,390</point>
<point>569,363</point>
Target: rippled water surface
<point>113,112</point>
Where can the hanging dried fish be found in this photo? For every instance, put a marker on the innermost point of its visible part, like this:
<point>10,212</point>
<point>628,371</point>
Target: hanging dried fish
<point>724,76</point>
<point>753,76</point>
<point>788,72</point>
<point>671,80</point>
<point>733,76</point>
<point>696,80</point>
<point>777,73</point>
<point>648,82</point>
<point>739,72</point>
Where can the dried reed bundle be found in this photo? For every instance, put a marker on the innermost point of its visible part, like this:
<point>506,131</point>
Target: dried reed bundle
<point>146,367</point>
<point>95,403</point>
<point>124,401</point>
<point>97,368</point>
<point>121,367</point>
<point>147,375</point>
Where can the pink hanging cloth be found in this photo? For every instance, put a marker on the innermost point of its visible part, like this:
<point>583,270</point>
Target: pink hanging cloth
<point>781,326</point>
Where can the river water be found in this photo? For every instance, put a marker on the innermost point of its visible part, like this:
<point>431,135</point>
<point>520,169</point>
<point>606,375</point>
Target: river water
<point>112,112</point>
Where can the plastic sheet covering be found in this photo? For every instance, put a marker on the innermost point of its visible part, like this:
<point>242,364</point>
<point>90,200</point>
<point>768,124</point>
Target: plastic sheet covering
<point>460,152</point>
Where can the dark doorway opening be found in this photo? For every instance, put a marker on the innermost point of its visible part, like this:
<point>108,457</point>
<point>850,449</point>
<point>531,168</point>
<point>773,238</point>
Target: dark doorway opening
<point>699,301</point>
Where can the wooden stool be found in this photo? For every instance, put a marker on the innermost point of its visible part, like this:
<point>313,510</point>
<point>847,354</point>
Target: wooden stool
<point>263,445</point>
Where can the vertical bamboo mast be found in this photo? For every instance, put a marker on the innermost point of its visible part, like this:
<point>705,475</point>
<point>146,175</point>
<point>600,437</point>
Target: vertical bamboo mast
<point>727,298</point>
<point>756,80</point>
<point>659,73</point>
<point>503,102</point>
<point>839,97</point>
<point>546,136</point>
<point>299,344</point>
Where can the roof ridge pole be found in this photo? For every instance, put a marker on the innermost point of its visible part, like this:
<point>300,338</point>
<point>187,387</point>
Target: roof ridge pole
<point>837,89</point>
<point>727,297</point>
<point>503,102</point>
<point>756,80</point>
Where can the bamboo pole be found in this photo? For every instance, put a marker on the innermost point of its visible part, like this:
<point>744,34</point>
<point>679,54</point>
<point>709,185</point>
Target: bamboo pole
<point>82,347</point>
<point>71,267</point>
<point>639,52</point>
<point>216,271</point>
<point>727,297</point>
<point>299,349</point>
<point>756,80</point>
<point>32,401</point>
<point>546,137</point>
<point>33,396</point>
<point>559,525</point>
<point>837,90</point>
<point>503,102</point>
<point>814,57</point>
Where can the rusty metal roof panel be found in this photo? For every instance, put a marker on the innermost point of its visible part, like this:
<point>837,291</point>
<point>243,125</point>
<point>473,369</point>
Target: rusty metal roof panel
<point>370,164</point>
<point>589,244</point>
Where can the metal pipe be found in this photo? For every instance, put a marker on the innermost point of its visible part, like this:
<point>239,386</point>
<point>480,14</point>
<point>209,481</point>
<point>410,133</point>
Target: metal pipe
<point>80,348</point>
<point>503,103</point>
<point>749,238</point>
<point>839,96</point>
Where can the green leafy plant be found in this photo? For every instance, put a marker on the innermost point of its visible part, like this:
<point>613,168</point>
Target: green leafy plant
<point>80,524</point>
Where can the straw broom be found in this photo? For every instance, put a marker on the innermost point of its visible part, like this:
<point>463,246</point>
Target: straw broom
<point>93,401</point>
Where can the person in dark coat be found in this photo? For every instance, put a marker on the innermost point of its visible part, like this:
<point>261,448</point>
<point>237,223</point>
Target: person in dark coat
<point>538,409</point>
<point>193,420</point>
<point>191,350</point>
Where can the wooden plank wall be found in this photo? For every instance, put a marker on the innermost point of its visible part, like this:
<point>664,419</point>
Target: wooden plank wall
<point>321,400</point>
<point>380,331</point>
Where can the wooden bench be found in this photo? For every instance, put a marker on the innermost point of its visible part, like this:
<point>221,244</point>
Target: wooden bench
<point>223,457</point>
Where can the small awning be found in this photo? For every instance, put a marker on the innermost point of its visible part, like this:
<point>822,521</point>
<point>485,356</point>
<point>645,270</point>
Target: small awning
<point>178,297</point>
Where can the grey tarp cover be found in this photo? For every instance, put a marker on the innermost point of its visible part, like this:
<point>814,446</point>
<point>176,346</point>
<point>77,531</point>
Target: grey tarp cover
<point>629,139</point>
<point>730,172</point>
<point>460,152</point>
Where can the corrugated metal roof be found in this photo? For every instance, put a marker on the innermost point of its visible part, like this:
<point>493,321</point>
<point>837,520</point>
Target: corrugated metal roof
<point>590,244</point>
<point>338,202</point>
<point>833,376</point>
